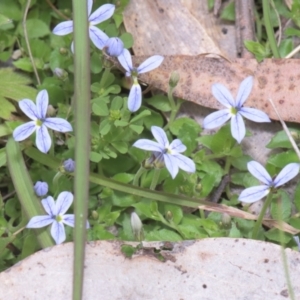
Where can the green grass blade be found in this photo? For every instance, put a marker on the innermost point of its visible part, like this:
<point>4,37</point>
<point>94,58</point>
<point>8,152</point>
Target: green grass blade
<point>82,141</point>
<point>24,188</point>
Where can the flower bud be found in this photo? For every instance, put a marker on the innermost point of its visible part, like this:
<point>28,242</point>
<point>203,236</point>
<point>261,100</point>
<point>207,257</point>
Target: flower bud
<point>114,46</point>
<point>137,226</point>
<point>226,220</point>
<point>60,73</point>
<point>51,111</point>
<point>174,79</point>
<point>63,51</point>
<point>169,215</point>
<point>41,188</point>
<point>69,165</point>
<point>95,215</point>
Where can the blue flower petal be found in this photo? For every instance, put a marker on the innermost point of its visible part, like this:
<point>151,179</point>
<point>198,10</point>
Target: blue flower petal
<point>150,64</point>
<point>69,220</point>
<point>171,165</point>
<point>259,172</point>
<point>63,202</point>
<point>63,28</point>
<point>135,98</point>
<point>89,6</point>
<point>98,37</point>
<point>58,124</point>
<point>286,174</point>
<point>101,14</point>
<point>148,145</point>
<point>42,101</point>
<point>49,206</point>
<point>244,91</point>
<point>114,46</point>
<point>58,232</point>
<point>160,136</point>
<point>177,146</point>
<point>216,119</point>
<point>223,95</point>
<point>22,132</point>
<point>125,60</point>
<point>43,140</point>
<point>254,193</point>
<point>254,115</point>
<point>29,109</point>
<point>185,163</point>
<point>39,221</point>
<point>238,129</point>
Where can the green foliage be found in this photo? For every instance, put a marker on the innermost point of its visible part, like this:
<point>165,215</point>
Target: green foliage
<point>116,187</point>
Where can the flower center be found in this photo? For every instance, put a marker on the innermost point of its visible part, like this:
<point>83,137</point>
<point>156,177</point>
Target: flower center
<point>39,123</point>
<point>233,110</point>
<point>58,218</point>
<point>134,74</point>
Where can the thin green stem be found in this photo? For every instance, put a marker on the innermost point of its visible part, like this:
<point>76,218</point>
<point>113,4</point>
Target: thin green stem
<point>82,142</point>
<point>155,179</point>
<point>283,254</point>
<point>261,216</point>
<point>269,28</point>
<point>138,175</point>
<point>27,42</point>
<point>174,107</point>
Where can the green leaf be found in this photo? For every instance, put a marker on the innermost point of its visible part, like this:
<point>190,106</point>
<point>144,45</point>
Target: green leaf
<point>24,188</point>
<point>100,109</point>
<point>140,116</point>
<point>4,20</point>
<point>11,9</point>
<point>297,197</point>
<point>122,147</point>
<point>162,235</point>
<point>292,32</point>
<point>274,235</point>
<point>286,46</point>
<point>6,108</point>
<point>281,140</point>
<point>124,177</point>
<point>260,51</point>
<point>127,39</point>
<point>36,28</point>
<point>137,128</point>
<point>174,210</point>
<point>228,12</point>
<point>95,157</point>
<point>281,208</point>
<point>2,157</point>
<point>160,102</point>
<point>14,85</point>
<point>176,126</point>
<point>282,159</point>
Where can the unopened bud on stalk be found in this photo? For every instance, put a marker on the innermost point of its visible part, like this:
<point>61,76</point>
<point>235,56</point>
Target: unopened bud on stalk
<point>41,188</point>
<point>174,79</point>
<point>137,226</point>
<point>114,46</point>
<point>61,74</point>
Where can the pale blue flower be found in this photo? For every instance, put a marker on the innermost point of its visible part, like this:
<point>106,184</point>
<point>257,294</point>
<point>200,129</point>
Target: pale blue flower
<point>56,216</point>
<point>234,109</point>
<point>37,113</point>
<point>256,193</point>
<point>97,36</point>
<point>114,46</point>
<point>41,188</point>
<point>135,94</point>
<point>168,153</point>
<point>69,165</point>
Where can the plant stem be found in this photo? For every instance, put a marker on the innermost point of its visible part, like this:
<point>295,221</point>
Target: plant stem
<point>82,142</point>
<point>269,28</point>
<point>27,42</point>
<point>155,179</point>
<point>138,175</point>
<point>261,216</point>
